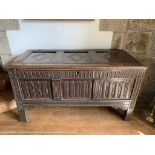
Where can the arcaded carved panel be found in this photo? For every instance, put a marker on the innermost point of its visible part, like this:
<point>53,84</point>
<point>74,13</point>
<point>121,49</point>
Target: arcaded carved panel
<point>35,89</point>
<point>4,44</point>
<point>113,89</point>
<point>9,24</point>
<point>141,24</point>
<point>137,42</point>
<point>76,89</point>
<point>118,40</point>
<point>115,25</point>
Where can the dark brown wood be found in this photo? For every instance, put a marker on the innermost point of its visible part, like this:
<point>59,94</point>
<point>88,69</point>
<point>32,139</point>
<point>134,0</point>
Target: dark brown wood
<point>128,114</point>
<point>4,79</point>
<point>22,115</point>
<point>76,78</point>
<point>1,66</point>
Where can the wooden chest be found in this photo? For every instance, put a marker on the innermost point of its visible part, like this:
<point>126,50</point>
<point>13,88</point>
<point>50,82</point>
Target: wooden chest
<point>75,78</point>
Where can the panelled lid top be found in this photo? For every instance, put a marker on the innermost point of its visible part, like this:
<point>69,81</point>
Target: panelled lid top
<point>55,58</point>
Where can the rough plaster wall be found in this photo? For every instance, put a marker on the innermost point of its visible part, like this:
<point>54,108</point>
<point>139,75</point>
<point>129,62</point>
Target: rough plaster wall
<point>58,35</point>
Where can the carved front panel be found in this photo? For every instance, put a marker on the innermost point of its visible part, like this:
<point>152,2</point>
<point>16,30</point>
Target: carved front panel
<point>76,89</point>
<point>113,88</point>
<point>38,89</point>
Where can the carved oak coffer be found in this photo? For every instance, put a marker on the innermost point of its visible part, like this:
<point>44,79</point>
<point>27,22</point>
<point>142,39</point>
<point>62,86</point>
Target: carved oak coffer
<point>42,78</point>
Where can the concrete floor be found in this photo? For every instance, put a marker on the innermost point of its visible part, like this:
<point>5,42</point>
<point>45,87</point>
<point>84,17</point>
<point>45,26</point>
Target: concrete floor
<point>73,120</point>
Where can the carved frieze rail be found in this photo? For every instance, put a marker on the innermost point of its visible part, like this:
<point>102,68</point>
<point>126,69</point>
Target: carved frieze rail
<point>25,74</point>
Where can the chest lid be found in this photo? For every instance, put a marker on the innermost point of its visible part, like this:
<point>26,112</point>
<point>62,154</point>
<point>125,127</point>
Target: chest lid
<point>62,58</point>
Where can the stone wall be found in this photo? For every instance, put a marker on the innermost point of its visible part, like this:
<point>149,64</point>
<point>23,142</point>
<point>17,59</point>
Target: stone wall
<point>6,24</point>
<point>137,37</point>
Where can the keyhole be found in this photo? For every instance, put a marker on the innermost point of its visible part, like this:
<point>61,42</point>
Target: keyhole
<point>77,72</point>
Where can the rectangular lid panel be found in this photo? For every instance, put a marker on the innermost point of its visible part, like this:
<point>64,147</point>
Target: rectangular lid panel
<point>81,57</point>
<point>113,57</point>
<point>40,58</point>
<point>76,58</point>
